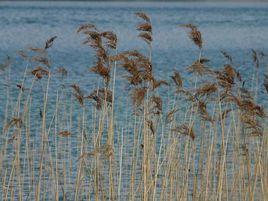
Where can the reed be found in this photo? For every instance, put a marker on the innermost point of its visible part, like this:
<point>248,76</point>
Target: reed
<point>206,140</point>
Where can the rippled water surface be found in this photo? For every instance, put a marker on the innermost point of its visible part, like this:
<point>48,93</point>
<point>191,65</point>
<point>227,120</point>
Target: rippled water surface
<point>235,28</point>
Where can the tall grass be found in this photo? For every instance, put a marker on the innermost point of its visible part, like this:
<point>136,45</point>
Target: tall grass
<point>203,141</point>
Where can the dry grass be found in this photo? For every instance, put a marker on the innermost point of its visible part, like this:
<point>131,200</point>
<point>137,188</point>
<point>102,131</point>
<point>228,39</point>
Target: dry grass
<point>206,141</point>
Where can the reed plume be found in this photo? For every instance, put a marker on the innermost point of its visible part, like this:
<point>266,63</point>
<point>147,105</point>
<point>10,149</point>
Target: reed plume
<point>138,67</point>
<point>22,54</point>
<point>170,115</point>
<point>49,42</point>
<point>101,42</point>
<point>15,121</point>
<point>194,34</point>
<point>203,112</point>
<point>226,77</point>
<point>177,79</point>
<point>145,28</point>
<point>102,70</point>
<point>157,83</point>
<point>157,104</point>
<point>39,72</point>
<point>184,129</point>
<point>78,94</point>
<point>138,95</point>
<point>100,96</point>
<point>178,144</point>
<point>206,89</point>
<point>106,150</point>
<point>150,124</point>
<point>65,133</point>
<point>144,16</point>
<point>199,67</point>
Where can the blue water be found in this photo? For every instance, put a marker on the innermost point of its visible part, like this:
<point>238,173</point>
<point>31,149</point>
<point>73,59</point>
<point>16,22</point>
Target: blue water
<point>232,27</point>
<point>235,28</point>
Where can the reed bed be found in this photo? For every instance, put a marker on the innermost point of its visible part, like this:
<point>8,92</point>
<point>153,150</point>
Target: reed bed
<point>206,140</point>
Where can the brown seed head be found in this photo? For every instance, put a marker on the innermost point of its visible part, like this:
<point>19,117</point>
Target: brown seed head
<point>39,72</point>
<point>49,42</point>
<point>138,96</point>
<point>144,16</point>
<point>177,79</point>
<point>65,133</point>
<point>194,35</point>
<point>86,27</point>
<point>185,129</point>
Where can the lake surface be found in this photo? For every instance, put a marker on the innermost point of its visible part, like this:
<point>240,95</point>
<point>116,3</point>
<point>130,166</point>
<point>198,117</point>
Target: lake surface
<point>232,27</point>
<point>235,28</point>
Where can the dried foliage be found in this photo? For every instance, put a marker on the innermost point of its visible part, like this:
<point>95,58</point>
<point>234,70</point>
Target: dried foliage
<point>49,42</point>
<point>185,129</point>
<point>156,104</point>
<point>106,150</point>
<point>101,70</point>
<point>42,60</point>
<point>78,94</point>
<point>101,96</point>
<point>23,54</point>
<point>187,94</point>
<point>151,126</point>
<point>224,114</point>
<point>144,16</point>
<point>138,67</point>
<point>218,105</point>
<point>157,83</point>
<point>199,67</point>
<point>101,42</point>
<point>145,28</point>
<point>147,37</point>
<point>65,133</point>
<point>194,34</point>
<point>15,121</point>
<point>170,115</point>
<point>138,96</point>
<point>203,113</point>
<point>177,79</point>
<point>226,77</point>
<point>86,27</point>
<point>206,89</point>
<point>39,72</point>
<point>111,39</point>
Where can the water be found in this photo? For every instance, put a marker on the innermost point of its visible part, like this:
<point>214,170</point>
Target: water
<point>232,27</point>
<point>235,28</point>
